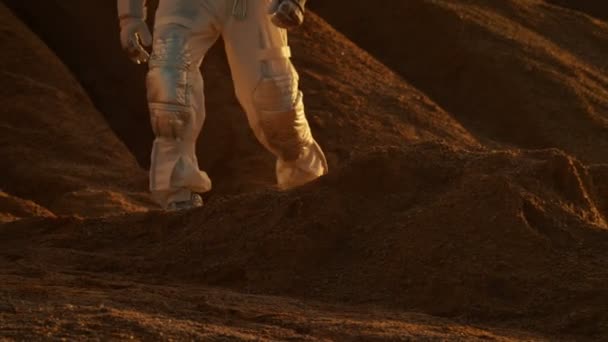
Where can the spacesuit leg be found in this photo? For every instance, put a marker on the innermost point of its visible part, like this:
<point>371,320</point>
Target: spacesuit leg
<point>267,87</point>
<point>177,113</point>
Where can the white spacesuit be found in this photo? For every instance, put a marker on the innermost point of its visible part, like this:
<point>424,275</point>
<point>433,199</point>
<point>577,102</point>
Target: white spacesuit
<point>266,85</point>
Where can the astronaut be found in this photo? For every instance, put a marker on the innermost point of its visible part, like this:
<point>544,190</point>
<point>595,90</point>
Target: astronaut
<point>266,85</point>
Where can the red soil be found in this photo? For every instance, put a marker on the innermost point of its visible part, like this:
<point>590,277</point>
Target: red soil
<point>431,207</point>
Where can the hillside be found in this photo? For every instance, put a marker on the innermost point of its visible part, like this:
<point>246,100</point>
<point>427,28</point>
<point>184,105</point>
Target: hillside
<point>512,77</point>
<point>59,156</point>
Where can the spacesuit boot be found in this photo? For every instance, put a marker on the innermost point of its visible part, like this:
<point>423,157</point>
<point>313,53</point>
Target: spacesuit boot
<point>195,201</point>
<point>266,85</point>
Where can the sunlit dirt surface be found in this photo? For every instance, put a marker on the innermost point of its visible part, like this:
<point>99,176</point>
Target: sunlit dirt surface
<point>81,305</point>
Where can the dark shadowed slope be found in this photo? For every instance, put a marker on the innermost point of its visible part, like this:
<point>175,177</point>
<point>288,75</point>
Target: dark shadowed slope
<point>594,8</point>
<point>57,152</point>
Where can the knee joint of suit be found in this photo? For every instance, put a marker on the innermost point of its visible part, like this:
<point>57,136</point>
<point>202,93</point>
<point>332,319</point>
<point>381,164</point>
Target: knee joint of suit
<point>281,115</point>
<point>168,87</point>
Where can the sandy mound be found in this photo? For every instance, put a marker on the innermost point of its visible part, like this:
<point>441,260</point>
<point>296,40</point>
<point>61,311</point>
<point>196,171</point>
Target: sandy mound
<point>353,101</point>
<point>513,238</point>
<point>497,235</point>
<point>509,74</point>
<point>54,145</point>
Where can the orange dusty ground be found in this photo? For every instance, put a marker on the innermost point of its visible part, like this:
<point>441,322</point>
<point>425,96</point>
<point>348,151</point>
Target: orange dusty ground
<point>468,143</point>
